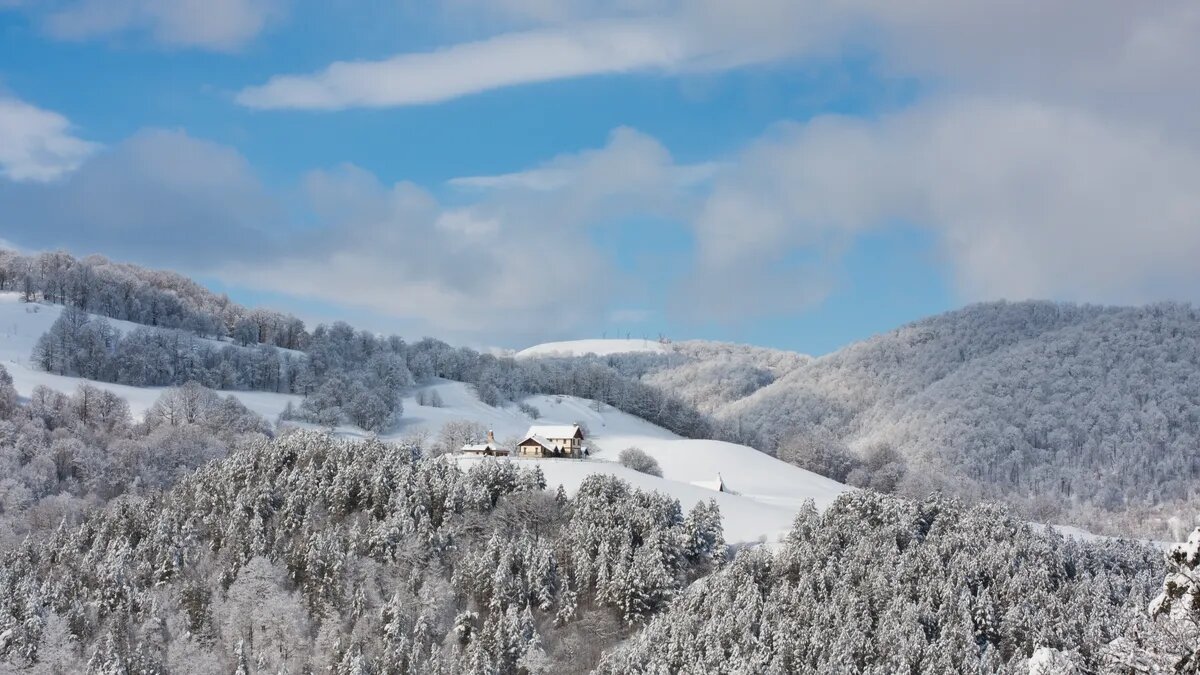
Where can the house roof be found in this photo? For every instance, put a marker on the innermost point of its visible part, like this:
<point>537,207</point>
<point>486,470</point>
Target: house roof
<point>540,440</point>
<point>481,447</point>
<point>717,485</point>
<point>555,430</point>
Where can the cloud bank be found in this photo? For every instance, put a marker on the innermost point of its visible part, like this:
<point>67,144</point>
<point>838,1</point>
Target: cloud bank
<point>506,60</point>
<point>218,25</point>
<point>37,144</point>
<point>1025,200</point>
<point>1053,153</point>
<point>158,196</point>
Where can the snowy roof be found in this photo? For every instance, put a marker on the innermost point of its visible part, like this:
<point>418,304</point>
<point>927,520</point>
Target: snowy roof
<point>555,430</point>
<point>540,440</point>
<point>717,485</point>
<point>482,447</point>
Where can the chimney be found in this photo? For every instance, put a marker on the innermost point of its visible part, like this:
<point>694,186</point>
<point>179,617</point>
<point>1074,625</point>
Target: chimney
<point>491,437</point>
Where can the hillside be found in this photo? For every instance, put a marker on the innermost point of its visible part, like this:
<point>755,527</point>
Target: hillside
<point>21,324</point>
<point>1075,413</point>
<point>310,554</point>
<point>183,533</point>
<point>706,375</point>
<point>600,347</point>
<point>766,492</point>
<point>771,490</point>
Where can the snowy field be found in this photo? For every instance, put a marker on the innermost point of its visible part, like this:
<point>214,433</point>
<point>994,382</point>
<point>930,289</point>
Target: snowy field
<point>21,324</point>
<point>600,347</point>
<point>770,490</point>
<point>764,493</point>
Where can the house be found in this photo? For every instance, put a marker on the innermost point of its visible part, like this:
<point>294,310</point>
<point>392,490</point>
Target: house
<point>489,449</point>
<point>717,485</point>
<point>553,440</point>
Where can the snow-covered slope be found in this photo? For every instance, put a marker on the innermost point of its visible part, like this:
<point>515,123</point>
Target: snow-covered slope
<point>764,493</point>
<point>602,347</point>
<point>744,519</point>
<point>21,324</point>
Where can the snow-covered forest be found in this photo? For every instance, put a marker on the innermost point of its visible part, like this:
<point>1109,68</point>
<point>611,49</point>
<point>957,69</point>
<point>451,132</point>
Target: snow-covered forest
<point>346,375</point>
<point>1069,413</point>
<point>1080,414</point>
<point>1076,414</point>
<point>312,554</point>
<point>61,455</point>
<point>195,535</point>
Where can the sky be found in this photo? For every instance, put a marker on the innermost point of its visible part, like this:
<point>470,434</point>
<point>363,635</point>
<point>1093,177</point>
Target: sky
<point>798,174</point>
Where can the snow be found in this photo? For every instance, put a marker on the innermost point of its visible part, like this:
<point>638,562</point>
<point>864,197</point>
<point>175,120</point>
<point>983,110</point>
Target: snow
<point>602,347</point>
<point>553,430</point>
<point>21,324</point>
<point>745,520</point>
<point>540,440</point>
<point>765,492</point>
<point>1049,661</point>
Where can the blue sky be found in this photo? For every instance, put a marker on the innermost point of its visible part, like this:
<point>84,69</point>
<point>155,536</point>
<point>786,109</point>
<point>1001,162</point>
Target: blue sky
<point>798,174</point>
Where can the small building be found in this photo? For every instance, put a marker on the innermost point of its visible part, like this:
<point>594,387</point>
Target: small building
<point>553,440</point>
<point>717,485</point>
<point>488,449</point>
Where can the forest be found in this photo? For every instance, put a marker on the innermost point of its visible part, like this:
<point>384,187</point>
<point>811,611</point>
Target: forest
<point>347,376</point>
<point>200,537</point>
<point>1067,413</point>
<point>1081,414</point>
<point>1076,414</point>
<point>308,553</point>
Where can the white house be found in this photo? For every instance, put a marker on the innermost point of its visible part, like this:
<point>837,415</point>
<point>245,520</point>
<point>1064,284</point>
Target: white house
<point>553,440</point>
<point>717,485</point>
<point>491,448</point>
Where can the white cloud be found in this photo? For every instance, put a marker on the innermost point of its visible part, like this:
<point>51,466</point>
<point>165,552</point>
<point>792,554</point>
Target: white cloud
<point>548,179</point>
<point>160,196</point>
<point>506,60</point>
<point>569,41</point>
<point>512,264</point>
<point>1027,200</point>
<point>465,223</point>
<point>208,24</point>
<point>1131,60</point>
<point>1055,156</point>
<point>466,271</point>
<point>1134,58</point>
<point>509,265</point>
<point>37,144</point>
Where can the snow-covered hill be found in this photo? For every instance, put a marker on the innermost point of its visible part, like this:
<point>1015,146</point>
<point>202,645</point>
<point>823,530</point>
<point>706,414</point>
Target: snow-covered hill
<point>764,493</point>
<point>1085,413</point>
<point>600,347</point>
<point>21,324</point>
<point>770,490</point>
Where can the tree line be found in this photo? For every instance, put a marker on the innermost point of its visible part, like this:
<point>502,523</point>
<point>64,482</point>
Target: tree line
<point>306,553</point>
<point>346,376</point>
<point>312,554</point>
<point>157,298</point>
